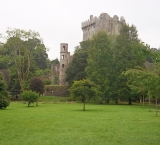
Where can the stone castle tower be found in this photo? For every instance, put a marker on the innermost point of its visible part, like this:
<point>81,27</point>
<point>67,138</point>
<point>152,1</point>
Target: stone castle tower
<point>90,27</point>
<point>65,58</point>
<point>103,22</point>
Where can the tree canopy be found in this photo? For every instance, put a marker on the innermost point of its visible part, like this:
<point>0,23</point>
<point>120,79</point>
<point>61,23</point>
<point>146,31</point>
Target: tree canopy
<point>76,69</point>
<point>4,96</point>
<point>84,90</point>
<point>23,53</point>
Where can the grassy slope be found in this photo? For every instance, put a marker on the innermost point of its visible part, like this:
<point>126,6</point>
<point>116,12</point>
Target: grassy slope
<point>64,123</point>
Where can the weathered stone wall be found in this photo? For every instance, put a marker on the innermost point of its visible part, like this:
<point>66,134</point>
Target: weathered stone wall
<point>54,72</point>
<point>103,22</point>
<point>65,59</point>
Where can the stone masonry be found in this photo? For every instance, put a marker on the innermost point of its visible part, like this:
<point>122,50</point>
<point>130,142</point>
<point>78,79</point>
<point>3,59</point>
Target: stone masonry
<point>103,22</point>
<point>65,59</point>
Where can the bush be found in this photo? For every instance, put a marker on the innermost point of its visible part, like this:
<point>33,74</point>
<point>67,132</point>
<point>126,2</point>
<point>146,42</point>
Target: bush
<point>30,96</point>
<point>4,96</point>
<point>46,82</point>
<point>37,85</point>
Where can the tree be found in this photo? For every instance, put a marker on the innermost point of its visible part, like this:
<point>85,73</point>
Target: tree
<point>99,61</point>
<point>25,49</point>
<point>145,80</point>
<point>37,85</point>
<point>40,55</point>
<point>76,68</point>
<point>140,80</point>
<point>156,84</point>
<point>84,90</point>
<point>126,55</point>
<point>4,96</point>
<point>55,61</point>
<point>29,96</point>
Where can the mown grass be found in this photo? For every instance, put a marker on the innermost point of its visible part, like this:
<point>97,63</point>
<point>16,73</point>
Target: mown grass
<point>66,124</point>
<point>53,99</point>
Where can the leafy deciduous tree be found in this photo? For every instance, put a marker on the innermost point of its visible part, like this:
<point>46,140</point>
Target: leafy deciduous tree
<point>4,96</point>
<point>37,85</point>
<point>126,55</point>
<point>29,96</point>
<point>99,61</point>
<point>25,49</point>
<point>84,90</point>
<point>76,68</point>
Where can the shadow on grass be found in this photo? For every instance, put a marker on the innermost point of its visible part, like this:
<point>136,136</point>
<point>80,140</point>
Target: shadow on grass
<point>5,109</point>
<point>88,110</point>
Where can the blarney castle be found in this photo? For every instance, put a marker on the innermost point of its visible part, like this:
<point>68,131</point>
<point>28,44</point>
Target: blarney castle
<point>90,27</point>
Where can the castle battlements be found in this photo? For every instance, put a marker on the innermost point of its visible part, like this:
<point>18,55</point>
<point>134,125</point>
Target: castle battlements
<point>89,22</point>
<point>111,25</point>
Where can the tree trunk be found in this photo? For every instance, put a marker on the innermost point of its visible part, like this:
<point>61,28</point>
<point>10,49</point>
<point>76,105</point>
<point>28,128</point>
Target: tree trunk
<point>149,103</point>
<point>116,101</point>
<point>129,101</point>
<point>84,106</point>
<point>36,102</point>
<point>107,100</point>
<point>143,100</point>
<point>28,103</point>
<point>156,107</point>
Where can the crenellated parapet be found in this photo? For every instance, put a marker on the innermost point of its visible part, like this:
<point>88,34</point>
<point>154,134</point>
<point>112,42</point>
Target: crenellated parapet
<point>89,22</point>
<point>111,25</point>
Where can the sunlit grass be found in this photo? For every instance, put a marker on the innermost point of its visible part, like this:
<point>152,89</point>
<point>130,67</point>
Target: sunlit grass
<point>66,123</point>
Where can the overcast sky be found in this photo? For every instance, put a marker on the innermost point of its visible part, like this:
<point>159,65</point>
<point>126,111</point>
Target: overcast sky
<point>59,21</point>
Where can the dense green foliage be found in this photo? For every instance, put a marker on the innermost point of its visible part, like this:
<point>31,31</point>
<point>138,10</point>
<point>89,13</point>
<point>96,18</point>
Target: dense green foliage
<point>22,54</point>
<point>66,124</point>
<point>4,96</point>
<point>99,61</point>
<point>37,85</point>
<point>76,69</point>
<point>126,54</point>
<point>84,90</point>
<point>145,81</point>
<point>30,96</point>
<point>104,58</point>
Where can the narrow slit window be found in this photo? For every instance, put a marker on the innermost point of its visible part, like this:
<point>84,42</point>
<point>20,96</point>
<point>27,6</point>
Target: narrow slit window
<point>63,48</point>
<point>62,65</point>
<point>62,56</point>
<point>111,26</point>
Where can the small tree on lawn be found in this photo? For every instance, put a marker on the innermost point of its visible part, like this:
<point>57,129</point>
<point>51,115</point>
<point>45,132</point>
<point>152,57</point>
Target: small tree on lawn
<point>37,85</point>
<point>4,96</point>
<point>29,96</point>
<point>84,90</point>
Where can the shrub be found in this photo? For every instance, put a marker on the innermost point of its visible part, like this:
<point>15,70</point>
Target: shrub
<point>37,85</point>
<point>46,82</point>
<point>4,96</point>
<point>30,96</point>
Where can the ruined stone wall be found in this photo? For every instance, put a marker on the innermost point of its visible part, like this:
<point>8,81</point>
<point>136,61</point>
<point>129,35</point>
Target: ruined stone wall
<point>54,72</point>
<point>103,22</point>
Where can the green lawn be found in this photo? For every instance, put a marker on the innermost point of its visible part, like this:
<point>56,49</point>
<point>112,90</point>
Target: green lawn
<point>66,124</point>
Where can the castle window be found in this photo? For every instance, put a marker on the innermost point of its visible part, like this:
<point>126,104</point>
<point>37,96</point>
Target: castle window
<point>62,56</point>
<point>62,65</point>
<point>63,48</point>
<point>111,25</point>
